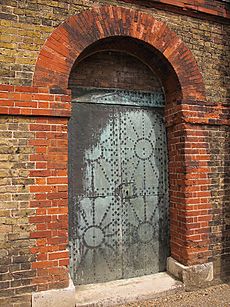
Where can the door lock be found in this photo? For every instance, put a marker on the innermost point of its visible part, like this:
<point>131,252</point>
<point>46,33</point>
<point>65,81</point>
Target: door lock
<point>127,190</point>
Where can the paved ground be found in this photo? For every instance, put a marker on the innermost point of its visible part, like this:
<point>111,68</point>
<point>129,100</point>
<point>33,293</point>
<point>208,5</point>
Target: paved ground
<point>216,296</point>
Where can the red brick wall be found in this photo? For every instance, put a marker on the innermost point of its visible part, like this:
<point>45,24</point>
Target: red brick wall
<point>35,201</point>
<point>199,193</point>
<point>208,7</point>
<point>35,118</point>
<point>50,202</point>
<point>189,194</point>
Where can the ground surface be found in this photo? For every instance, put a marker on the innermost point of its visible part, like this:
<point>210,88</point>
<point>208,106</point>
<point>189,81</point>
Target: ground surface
<point>216,296</point>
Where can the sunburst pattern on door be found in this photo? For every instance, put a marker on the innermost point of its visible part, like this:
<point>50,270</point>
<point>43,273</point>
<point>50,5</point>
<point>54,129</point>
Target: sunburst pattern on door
<point>122,221</point>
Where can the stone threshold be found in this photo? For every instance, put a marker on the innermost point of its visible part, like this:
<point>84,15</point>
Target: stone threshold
<point>127,290</point>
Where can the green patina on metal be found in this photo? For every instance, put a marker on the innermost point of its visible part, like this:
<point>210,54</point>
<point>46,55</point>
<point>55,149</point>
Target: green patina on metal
<point>118,189</point>
<point>119,96</point>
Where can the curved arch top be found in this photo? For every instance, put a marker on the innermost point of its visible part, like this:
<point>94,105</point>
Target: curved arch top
<point>66,43</point>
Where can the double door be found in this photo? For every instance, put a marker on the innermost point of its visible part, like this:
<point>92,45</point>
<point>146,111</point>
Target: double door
<point>118,192</point>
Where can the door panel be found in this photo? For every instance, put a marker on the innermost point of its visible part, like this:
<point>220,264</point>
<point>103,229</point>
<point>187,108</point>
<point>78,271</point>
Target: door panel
<point>118,192</point>
<point>95,233</point>
<point>143,167</point>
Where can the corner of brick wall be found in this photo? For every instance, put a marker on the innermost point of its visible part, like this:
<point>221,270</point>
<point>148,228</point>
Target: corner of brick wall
<point>33,194</point>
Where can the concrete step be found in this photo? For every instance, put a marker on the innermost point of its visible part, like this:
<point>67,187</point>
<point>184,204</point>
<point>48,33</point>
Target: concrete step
<point>127,290</point>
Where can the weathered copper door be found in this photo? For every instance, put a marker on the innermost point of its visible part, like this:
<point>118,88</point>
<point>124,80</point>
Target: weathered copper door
<point>117,186</point>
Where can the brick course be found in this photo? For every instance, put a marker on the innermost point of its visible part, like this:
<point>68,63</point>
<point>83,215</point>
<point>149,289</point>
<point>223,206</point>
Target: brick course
<point>33,193</point>
<point>16,258</point>
<point>33,130</point>
<point>208,8</point>
<point>208,40</point>
<point>114,70</point>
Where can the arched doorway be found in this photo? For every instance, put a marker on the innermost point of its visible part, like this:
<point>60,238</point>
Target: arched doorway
<point>166,54</point>
<point>118,174</point>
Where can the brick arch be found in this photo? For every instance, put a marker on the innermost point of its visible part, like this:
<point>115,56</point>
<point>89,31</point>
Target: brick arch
<point>70,39</point>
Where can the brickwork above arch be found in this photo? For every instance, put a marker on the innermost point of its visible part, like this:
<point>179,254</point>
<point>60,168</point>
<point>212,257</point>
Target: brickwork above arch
<point>66,43</point>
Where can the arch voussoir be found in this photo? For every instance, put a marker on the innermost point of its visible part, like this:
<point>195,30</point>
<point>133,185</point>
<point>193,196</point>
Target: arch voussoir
<point>63,47</point>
